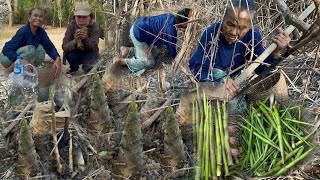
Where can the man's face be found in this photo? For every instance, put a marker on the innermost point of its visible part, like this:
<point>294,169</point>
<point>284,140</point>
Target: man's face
<point>36,18</point>
<point>82,21</point>
<point>234,27</point>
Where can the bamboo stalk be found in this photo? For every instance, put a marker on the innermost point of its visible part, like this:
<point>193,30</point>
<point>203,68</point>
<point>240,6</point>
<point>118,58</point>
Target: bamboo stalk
<point>207,142</point>
<point>213,162</point>
<point>54,133</point>
<point>224,155</point>
<point>70,153</point>
<point>279,130</point>
<point>226,133</point>
<point>294,162</point>
<point>218,144</point>
<point>243,76</point>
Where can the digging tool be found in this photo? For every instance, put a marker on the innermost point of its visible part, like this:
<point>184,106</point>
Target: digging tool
<point>247,72</point>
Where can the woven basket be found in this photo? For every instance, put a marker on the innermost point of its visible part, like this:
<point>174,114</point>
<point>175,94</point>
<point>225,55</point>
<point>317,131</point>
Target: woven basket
<point>46,75</point>
<point>274,83</point>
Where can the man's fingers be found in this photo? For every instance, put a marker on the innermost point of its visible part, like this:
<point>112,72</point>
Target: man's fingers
<point>233,129</point>
<point>235,152</point>
<point>58,71</point>
<point>233,140</point>
<point>275,40</point>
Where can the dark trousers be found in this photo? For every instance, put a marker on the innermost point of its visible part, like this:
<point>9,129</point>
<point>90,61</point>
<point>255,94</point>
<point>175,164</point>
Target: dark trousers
<point>86,58</point>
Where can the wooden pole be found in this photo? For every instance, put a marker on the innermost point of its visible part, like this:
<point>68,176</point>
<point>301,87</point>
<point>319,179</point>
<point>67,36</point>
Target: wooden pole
<point>270,49</point>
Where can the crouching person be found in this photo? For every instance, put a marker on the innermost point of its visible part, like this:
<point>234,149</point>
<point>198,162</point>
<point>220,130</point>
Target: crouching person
<point>81,40</point>
<point>31,42</point>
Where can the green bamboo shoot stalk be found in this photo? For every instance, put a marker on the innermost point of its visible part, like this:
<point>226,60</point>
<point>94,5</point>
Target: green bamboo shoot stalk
<point>297,134</point>
<point>290,155</point>
<point>131,148</point>
<point>197,121</point>
<point>294,162</point>
<point>212,148</point>
<point>286,143</point>
<point>258,119</point>
<point>100,113</point>
<point>250,145</point>
<point>174,146</point>
<point>270,142</point>
<point>27,155</point>
<point>300,152</point>
<point>279,130</point>
<point>207,142</point>
<point>298,122</point>
<point>307,137</point>
<point>223,147</point>
<point>218,144</point>
<point>70,152</point>
<point>265,110</point>
<point>197,145</point>
<point>200,147</point>
<point>265,158</point>
<point>226,133</point>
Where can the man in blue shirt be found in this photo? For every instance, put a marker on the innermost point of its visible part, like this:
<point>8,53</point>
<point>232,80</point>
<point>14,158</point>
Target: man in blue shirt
<point>31,42</point>
<point>225,48</point>
<point>151,31</point>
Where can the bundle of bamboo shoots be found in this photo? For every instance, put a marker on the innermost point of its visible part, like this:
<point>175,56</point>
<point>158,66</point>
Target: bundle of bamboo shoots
<point>273,139</point>
<point>212,139</point>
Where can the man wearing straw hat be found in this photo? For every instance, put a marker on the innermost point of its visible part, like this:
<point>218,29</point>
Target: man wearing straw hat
<point>80,43</point>
<point>225,48</point>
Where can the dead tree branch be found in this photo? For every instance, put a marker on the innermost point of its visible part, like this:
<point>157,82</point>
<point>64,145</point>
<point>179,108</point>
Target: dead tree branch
<point>291,18</point>
<point>154,117</point>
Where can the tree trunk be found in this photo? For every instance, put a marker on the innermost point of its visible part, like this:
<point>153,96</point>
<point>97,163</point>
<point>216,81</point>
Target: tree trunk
<point>15,5</point>
<point>58,2</point>
<point>10,15</point>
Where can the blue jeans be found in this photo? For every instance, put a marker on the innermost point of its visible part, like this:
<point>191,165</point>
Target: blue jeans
<point>86,58</point>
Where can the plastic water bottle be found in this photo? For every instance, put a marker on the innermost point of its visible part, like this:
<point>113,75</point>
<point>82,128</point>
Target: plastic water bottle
<point>22,78</point>
<point>16,79</point>
<point>18,71</point>
<point>18,66</point>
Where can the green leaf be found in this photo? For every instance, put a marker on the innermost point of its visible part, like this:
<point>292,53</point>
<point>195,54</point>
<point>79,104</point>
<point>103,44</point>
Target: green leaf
<point>103,153</point>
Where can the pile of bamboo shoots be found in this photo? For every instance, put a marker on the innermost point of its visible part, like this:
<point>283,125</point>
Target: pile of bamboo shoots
<point>273,139</point>
<point>212,139</point>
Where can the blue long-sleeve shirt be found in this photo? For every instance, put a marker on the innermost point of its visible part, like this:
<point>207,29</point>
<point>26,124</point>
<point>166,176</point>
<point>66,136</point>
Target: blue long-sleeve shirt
<point>24,37</point>
<point>157,30</point>
<point>224,54</point>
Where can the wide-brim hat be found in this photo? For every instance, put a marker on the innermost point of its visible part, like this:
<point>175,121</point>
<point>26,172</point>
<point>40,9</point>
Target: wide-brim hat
<point>82,9</point>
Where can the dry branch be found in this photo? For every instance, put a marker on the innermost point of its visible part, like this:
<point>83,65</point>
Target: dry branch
<point>313,35</point>
<point>78,86</point>
<point>124,104</point>
<point>154,117</point>
<point>186,51</point>
<point>7,130</point>
<point>291,18</point>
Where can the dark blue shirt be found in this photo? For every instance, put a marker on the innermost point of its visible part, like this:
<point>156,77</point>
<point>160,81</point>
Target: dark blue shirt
<point>24,37</point>
<point>157,30</point>
<point>226,55</point>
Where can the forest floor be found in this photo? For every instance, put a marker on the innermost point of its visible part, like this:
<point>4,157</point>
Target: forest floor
<point>108,166</point>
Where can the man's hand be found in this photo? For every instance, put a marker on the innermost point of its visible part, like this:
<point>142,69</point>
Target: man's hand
<point>282,40</point>
<point>81,33</point>
<point>57,65</point>
<point>232,86</point>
